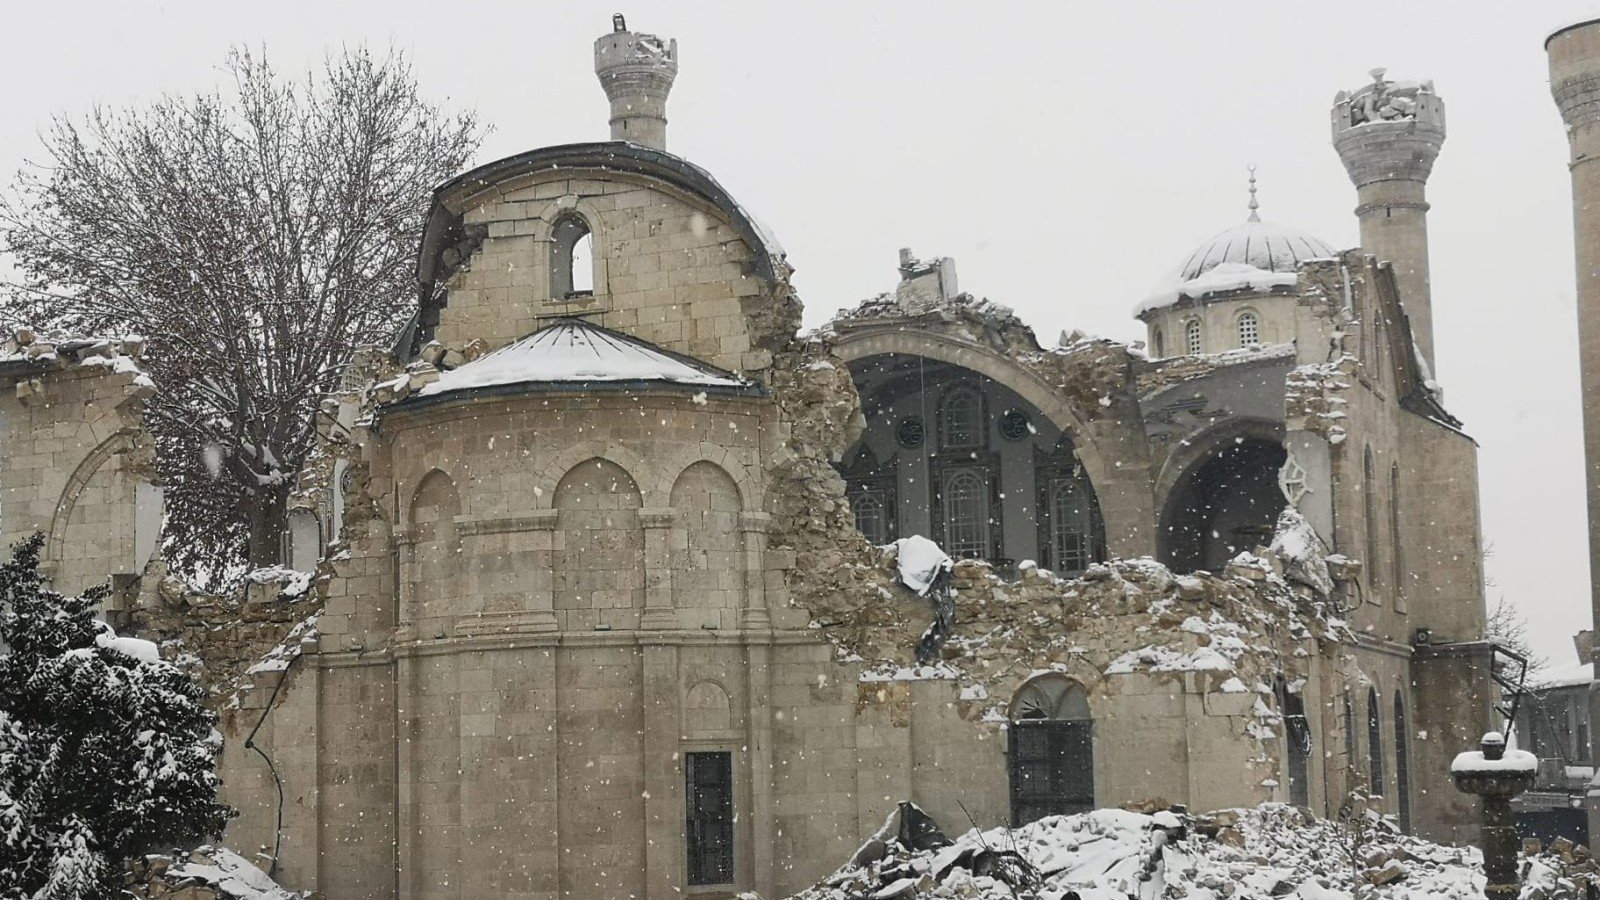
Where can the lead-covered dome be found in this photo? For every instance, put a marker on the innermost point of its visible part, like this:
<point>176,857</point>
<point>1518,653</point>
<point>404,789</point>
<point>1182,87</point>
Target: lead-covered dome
<point>1266,246</point>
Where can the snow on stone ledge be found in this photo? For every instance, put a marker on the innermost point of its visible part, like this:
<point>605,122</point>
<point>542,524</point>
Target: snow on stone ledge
<point>1513,761</point>
<point>919,561</point>
<point>293,583</point>
<point>1229,276</point>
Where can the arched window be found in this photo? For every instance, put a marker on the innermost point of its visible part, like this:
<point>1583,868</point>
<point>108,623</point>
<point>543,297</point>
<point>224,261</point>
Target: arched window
<point>1369,500</point>
<point>1158,343</point>
<point>1297,743</point>
<point>1191,337</point>
<point>1374,742</point>
<point>1397,580</point>
<point>571,258</point>
<point>1072,526</point>
<point>1402,766</point>
<point>1249,328</point>
<point>961,424</point>
<point>871,488</point>
<point>1051,748</point>
<point>965,502</point>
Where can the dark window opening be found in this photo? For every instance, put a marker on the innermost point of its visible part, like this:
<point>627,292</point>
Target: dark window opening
<point>870,486</point>
<point>708,782</point>
<point>1072,535</point>
<point>1374,742</point>
<point>1402,766</point>
<point>571,259</point>
<point>1297,741</point>
<point>1052,751</point>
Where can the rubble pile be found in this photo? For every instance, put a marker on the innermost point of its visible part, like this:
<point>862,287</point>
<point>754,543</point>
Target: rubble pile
<point>1237,629</point>
<point>1266,852</point>
<point>230,632</point>
<point>208,873</point>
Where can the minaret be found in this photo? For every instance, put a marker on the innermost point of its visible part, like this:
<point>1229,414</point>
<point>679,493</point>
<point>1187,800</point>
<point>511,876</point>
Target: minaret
<point>636,71</point>
<point>1574,54</point>
<point>1388,134</point>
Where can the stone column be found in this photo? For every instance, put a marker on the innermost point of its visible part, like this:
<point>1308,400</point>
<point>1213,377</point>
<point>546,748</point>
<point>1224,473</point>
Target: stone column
<point>660,612</point>
<point>405,548</point>
<point>1574,54</point>
<point>755,615</point>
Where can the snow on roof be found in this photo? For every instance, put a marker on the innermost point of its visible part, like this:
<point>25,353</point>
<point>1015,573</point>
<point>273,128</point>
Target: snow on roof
<point>1569,675</point>
<point>1256,255</point>
<point>572,350</point>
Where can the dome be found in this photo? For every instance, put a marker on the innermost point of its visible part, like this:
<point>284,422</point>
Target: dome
<point>1260,245</point>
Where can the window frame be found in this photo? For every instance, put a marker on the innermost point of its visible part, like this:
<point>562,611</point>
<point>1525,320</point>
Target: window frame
<point>701,867</point>
<point>1254,319</point>
<point>562,271</point>
<point>1193,337</point>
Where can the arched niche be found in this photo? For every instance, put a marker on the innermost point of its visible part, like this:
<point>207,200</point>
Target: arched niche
<point>1225,501</point>
<point>706,709</point>
<point>435,559</point>
<point>599,561</point>
<point>304,540</point>
<point>708,564</point>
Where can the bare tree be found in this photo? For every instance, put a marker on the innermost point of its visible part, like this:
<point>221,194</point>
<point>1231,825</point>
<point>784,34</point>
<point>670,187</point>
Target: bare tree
<point>1508,627</point>
<point>255,238</point>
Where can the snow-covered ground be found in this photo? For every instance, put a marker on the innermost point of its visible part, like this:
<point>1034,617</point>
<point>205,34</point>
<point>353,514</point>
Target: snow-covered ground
<point>1270,852</point>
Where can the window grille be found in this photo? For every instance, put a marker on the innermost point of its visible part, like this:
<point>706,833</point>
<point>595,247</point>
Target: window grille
<point>1051,750</point>
<point>1071,526</point>
<point>966,515</point>
<point>1191,337</point>
<point>1249,329</point>
<point>872,519</point>
<point>709,794</point>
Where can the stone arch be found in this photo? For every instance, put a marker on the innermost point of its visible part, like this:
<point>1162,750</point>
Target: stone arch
<point>55,544</point>
<point>707,709</point>
<point>1228,471</point>
<point>599,578</point>
<point>1114,454</point>
<point>544,488</point>
<point>546,233</point>
<point>434,565</point>
<point>707,562</point>
<point>672,464</point>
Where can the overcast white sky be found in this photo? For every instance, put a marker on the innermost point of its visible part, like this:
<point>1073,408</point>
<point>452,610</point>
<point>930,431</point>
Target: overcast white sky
<point>1066,153</point>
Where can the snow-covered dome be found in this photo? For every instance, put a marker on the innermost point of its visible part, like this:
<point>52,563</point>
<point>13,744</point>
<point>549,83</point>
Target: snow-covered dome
<point>1260,245</point>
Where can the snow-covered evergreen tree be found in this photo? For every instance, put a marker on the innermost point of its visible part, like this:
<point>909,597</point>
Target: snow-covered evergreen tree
<point>105,750</point>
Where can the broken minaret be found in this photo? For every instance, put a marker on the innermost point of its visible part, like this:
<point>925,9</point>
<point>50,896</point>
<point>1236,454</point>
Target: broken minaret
<point>1388,134</point>
<point>636,71</point>
<point>1575,81</point>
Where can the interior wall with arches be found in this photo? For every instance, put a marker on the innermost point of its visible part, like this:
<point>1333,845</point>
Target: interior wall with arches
<point>960,458</point>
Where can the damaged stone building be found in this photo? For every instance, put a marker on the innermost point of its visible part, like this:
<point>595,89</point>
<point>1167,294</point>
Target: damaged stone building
<point>612,559</point>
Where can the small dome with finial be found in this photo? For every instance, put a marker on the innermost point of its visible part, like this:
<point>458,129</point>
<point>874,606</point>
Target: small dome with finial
<point>1255,254</point>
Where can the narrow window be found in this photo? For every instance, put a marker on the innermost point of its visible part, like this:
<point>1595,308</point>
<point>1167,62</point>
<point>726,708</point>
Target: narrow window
<point>1350,735</point>
<point>1159,344</point>
<point>871,518</point>
<point>1297,743</point>
<point>961,419</point>
<point>1374,742</point>
<point>1249,329</point>
<point>1402,766</point>
<point>571,259</point>
<point>1191,337</point>
<point>966,515</point>
<point>708,790</point>
<point>1397,580</point>
<point>1052,751</point>
<point>1071,526</point>
<point>1369,499</point>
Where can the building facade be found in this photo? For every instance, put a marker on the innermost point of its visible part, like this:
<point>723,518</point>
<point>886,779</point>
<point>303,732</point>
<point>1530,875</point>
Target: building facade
<point>613,559</point>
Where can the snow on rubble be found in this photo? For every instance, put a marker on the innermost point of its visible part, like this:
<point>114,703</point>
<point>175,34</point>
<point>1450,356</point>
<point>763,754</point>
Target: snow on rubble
<point>1262,853</point>
<point>1241,627</point>
<point>213,873</point>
